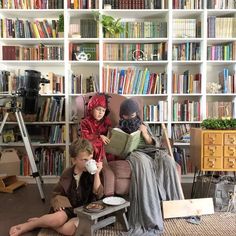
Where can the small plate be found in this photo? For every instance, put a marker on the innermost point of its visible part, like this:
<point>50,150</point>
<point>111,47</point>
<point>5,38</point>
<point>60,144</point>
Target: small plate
<point>114,201</point>
<point>94,207</point>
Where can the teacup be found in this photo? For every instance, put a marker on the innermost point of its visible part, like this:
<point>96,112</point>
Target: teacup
<point>91,166</point>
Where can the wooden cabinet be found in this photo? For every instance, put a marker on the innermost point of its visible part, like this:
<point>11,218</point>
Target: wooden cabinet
<point>213,150</point>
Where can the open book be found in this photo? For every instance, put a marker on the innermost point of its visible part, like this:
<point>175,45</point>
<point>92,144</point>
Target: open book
<point>122,143</point>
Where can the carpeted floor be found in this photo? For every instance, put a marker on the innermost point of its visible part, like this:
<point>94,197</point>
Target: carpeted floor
<point>219,224</point>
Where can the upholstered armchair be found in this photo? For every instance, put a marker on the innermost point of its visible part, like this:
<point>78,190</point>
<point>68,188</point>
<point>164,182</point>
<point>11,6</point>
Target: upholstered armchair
<point>117,173</point>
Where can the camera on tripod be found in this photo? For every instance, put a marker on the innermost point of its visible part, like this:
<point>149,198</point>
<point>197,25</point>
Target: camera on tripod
<point>28,89</point>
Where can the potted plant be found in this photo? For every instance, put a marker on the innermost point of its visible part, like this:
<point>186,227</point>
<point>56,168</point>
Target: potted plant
<point>61,26</point>
<point>112,27</point>
<point>219,124</point>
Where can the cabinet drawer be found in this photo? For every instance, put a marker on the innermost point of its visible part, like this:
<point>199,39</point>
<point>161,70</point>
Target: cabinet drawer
<point>230,139</point>
<point>212,163</point>
<point>211,150</point>
<point>229,151</point>
<point>230,163</point>
<point>213,138</point>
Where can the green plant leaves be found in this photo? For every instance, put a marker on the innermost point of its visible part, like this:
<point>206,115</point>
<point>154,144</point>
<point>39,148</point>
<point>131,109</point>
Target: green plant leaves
<point>109,23</point>
<point>219,123</point>
<point>61,23</point>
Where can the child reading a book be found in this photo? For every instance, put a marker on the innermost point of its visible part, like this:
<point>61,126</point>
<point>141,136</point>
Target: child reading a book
<point>95,126</point>
<point>154,177</point>
<point>75,188</point>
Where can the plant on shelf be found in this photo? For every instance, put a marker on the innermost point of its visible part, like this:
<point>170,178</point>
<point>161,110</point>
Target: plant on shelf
<point>61,26</point>
<point>112,27</point>
<point>213,123</point>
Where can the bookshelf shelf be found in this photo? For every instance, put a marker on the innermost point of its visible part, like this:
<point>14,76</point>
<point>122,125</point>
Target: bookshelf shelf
<point>37,63</point>
<point>123,13</point>
<point>32,41</point>
<point>30,13</point>
<point>136,62</point>
<point>83,40</point>
<point>134,40</point>
<point>20,144</point>
<point>207,70</point>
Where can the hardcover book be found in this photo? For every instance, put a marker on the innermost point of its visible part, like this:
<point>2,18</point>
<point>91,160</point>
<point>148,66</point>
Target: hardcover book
<point>122,143</point>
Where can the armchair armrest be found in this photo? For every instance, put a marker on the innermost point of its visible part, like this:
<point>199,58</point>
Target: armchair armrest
<point>108,180</point>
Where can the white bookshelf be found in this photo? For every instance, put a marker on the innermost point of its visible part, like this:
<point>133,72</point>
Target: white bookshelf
<point>209,69</point>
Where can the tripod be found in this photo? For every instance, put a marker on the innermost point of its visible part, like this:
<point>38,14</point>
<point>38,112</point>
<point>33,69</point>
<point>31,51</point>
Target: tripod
<point>26,140</point>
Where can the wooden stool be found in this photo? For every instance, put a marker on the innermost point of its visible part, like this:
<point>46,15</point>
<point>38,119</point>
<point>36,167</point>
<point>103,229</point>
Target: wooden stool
<point>90,222</point>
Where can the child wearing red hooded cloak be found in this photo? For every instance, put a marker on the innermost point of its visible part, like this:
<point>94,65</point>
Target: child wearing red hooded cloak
<point>95,126</point>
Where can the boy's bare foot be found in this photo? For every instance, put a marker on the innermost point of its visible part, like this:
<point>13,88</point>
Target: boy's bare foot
<point>16,230</point>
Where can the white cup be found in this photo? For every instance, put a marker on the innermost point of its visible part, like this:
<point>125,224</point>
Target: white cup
<point>91,166</point>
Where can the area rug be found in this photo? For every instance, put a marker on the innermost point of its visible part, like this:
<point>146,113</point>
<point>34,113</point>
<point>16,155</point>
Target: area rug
<point>218,224</point>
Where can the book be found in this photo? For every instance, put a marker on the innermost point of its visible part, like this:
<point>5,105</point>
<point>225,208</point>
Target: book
<point>122,143</point>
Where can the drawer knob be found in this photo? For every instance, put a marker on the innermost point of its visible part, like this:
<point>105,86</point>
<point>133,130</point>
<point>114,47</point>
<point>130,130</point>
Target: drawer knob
<point>231,163</point>
<point>211,163</point>
<point>232,140</point>
<point>212,139</point>
<point>231,151</point>
<point>211,150</point>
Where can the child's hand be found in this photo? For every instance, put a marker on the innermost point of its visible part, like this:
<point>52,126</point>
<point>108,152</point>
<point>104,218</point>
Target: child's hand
<point>59,209</point>
<point>105,139</point>
<point>143,128</point>
<point>99,166</point>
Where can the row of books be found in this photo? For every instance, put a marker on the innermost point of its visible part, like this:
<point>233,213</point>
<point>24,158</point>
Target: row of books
<point>143,29</point>
<point>57,134</point>
<point>52,109</point>
<point>221,4</point>
<point>38,52</point>
<point>116,4</point>
<point>133,80</point>
<point>156,129</point>
<point>219,109</point>
<point>186,51</point>
<point>156,112</point>
<point>227,81</point>
<point>18,28</point>
<point>26,4</point>
<point>221,27</point>
<point>10,82</point>
<point>56,84</point>
<point>186,28</point>
<point>84,28</point>
<point>135,51</point>
<point>187,4</point>
<point>136,4</point>
<point>186,110</point>
<point>48,161</point>
<point>223,51</point>
<point>178,130</point>
<point>83,4</point>
<point>186,83</point>
<point>81,85</point>
<point>182,157</point>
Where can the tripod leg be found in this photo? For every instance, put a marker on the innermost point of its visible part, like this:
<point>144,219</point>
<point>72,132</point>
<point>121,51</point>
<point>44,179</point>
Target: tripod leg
<point>30,153</point>
<point>3,122</point>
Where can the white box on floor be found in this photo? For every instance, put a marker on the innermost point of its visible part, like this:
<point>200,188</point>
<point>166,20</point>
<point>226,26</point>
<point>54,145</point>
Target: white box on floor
<point>9,162</point>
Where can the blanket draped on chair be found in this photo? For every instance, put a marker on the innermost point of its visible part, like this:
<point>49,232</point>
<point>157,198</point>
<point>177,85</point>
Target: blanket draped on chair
<point>154,178</point>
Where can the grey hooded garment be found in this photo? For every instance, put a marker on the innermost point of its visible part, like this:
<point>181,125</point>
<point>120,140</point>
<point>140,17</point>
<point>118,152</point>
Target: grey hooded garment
<point>154,178</point>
